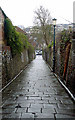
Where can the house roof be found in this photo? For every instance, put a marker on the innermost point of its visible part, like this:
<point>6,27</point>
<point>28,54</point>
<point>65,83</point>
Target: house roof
<point>20,30</point>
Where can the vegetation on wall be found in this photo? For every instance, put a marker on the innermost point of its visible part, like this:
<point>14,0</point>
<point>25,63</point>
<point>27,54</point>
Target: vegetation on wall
<point>63,39</point>
<point>66,36</point>
<point>17,41</point>
<point>30,48</point>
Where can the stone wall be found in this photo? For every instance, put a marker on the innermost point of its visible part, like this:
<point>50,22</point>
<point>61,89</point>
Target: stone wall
<point>2,17</point>
<point>11,68</point>
<point>60,57</point>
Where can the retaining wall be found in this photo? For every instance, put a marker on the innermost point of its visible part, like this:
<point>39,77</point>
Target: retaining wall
<point>60,57</point>
<point>10,68</point>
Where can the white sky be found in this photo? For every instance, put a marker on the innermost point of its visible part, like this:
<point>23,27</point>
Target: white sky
<point>21,12</point>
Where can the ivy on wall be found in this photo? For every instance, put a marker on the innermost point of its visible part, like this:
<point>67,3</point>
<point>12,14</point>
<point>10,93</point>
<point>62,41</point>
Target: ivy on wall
<point>65,35</point>
<point>17,41</point>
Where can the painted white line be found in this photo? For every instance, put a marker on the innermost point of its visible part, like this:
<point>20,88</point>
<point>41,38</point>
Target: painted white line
<point>71,95</point>
<point>65,87</point>
<point>12,79</point>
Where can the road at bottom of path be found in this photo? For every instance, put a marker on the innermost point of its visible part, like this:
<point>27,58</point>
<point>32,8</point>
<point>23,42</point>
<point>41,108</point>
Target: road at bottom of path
<point>36,94</point>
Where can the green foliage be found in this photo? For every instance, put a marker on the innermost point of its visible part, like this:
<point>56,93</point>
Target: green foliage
<point>12,37</point>
<point>30,48</point>
<point>50,45</point>
<point>24,40</point>
<point>8,28</point>
<point>65,36</point>
<point>17,41</point>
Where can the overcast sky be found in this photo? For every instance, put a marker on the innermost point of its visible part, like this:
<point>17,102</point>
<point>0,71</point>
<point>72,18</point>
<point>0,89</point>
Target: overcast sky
<point>21,12</point>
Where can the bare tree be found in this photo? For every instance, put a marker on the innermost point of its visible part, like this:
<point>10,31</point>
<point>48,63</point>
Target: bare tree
<point>43,19</point>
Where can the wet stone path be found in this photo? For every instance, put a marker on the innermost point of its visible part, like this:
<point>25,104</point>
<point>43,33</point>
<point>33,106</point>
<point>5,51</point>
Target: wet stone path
<point>36,93</point>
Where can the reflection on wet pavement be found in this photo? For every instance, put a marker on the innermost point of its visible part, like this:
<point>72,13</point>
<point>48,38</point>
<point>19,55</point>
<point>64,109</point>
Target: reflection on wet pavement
<point>36,93</point>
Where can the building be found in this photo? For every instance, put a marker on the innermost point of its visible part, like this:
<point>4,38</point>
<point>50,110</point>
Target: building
<point>20,30</point>
<point>4,49</point>
<point>2,18</point>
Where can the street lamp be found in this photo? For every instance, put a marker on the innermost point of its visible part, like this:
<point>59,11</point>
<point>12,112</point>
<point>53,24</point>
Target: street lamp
<point>54,24</point>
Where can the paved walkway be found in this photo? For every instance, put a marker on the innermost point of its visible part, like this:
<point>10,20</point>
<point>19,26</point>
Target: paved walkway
<point>36,93</point>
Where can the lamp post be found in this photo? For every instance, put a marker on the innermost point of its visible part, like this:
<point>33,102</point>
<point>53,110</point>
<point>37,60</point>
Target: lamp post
<point>54,24</point>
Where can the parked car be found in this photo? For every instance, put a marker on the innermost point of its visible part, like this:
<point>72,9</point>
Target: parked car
<point>39,52</point>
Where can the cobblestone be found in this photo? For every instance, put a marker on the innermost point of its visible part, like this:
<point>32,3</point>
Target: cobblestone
<point>36,93</point>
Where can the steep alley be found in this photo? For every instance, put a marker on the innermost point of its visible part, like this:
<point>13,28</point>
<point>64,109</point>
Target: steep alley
<point>36,93</point>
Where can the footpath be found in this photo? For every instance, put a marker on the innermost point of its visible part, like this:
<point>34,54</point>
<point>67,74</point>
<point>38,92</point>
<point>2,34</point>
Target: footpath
<point>36,93</point>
